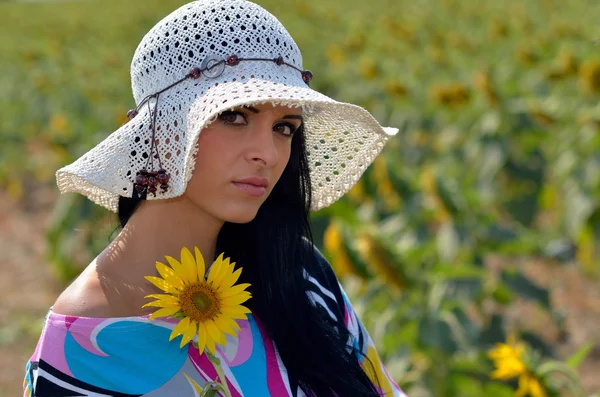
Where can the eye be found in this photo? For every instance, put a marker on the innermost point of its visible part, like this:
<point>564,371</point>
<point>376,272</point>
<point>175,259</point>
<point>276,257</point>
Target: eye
<point>286,129</point>
<point>231,117</point>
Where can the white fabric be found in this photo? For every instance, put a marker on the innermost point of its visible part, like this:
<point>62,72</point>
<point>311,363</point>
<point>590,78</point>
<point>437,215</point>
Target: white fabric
<point>342,139</point>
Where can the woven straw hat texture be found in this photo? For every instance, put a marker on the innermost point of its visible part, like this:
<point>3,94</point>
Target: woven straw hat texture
<point>342,139</point>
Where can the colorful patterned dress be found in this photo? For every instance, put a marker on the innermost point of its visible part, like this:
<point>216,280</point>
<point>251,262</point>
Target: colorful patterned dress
<point>132,356</point>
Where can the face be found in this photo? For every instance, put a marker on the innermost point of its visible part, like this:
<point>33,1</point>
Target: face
<point>240,158</point>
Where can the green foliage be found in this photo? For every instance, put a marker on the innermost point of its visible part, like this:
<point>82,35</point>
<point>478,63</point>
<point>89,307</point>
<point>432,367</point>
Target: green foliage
<point>498,154</point>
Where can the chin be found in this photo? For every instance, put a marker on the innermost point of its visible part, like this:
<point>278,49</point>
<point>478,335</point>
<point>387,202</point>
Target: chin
<point>240,214</point>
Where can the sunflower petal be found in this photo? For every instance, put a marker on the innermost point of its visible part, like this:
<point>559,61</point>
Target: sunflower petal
<point>223,276</point>
<point>215,268</point>
<point>166,299</point>
<point>180,328</point>
<point>226,269</point>
<point>210,344</point>
<point>177,268</point>
<point>236,289</point>
<point>215,333</point>
<point>189,333</point>
<point>226,324</point>
<point>162,284</point>
<point>189,263</point>
<point>236,312</point>
<point>169,275</point>
<point>157,296</point>
<point>195,385</point>
<point>164,312</point>
<point>232,279</point>
<point>236,299</point>
<point>200,265</point>
<point>234,309</point>
<point>160,303</point>
<point>201,337</point>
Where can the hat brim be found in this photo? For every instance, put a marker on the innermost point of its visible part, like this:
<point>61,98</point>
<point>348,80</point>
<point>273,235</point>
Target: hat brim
<point>342,139</point>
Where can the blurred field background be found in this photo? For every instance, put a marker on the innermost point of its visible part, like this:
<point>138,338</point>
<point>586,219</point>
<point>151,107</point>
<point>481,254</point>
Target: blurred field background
<point>480,220</point>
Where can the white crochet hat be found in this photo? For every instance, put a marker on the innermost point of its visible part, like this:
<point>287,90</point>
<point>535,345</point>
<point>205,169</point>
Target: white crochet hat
<point>242,55</point>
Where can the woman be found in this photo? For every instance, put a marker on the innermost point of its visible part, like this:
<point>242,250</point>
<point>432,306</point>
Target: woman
<point>228,150</point>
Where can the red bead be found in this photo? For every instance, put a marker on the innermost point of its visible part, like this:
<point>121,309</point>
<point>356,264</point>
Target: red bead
<point>278,61</point>
<point>139,188</point>
<point>195,73</point>
<point>141,178</point>
<point>131,113</point>
<point>164,187</point>
<point>162,177</point>
<point>152,189</point>
<point>233,60</point>
<point>307,76</point>
<point>151,181</point>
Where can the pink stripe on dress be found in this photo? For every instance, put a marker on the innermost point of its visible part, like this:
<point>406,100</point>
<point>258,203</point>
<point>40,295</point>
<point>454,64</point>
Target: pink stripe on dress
<point>206,369</point>
<point>275,381</point>
<point>52,346</point>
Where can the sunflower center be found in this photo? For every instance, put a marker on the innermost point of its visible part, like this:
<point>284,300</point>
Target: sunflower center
<point>200,302</point>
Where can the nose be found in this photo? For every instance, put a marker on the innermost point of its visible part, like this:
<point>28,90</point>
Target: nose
<point>262,148</point>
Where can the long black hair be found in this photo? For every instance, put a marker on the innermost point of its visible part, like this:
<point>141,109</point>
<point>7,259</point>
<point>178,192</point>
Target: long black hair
<point>273,249</point>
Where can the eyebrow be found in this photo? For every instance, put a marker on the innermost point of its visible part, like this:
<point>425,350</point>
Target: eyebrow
<point>289,116</point>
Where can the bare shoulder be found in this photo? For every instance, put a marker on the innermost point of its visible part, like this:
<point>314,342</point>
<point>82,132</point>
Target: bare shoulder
<point>104,289</point>
<point>84,297</point>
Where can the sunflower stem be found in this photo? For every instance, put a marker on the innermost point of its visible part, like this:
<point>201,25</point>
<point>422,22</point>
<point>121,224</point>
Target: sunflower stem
<point>217,364</point>
<point>210,388</point>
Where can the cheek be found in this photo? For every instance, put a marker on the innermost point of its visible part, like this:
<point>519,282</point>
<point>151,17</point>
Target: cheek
<point>284,153</point>
<point>209,159</point>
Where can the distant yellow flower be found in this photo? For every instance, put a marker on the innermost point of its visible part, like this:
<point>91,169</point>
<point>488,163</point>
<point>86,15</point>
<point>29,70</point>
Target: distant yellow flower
<point>589,76</point>
<point>508,360</point>
<point>452,95</point>
<point>357,192</point>
<point>334,245</point>
<point>530,385</point>
<point>335,54</point>
<point>207,307</point>
<point>509,363</point>
<point>483,82</point>
<point>377,257</point>
<point>368,68</point>
<point>395,87</point>
<point>59,123</point>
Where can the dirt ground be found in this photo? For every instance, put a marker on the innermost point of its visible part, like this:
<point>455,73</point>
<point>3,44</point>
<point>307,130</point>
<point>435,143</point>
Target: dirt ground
<point>28,287</point>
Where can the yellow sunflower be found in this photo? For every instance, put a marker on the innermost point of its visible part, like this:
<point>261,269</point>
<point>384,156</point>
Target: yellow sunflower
<point>508,360</point>
<point>207,306</point>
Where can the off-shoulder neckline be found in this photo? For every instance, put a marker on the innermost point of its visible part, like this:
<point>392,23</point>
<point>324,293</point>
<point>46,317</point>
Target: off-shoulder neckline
<point>59,316</point>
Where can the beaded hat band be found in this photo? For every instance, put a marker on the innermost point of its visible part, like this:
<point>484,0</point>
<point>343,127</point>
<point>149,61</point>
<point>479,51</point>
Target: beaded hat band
<point>146,181</point>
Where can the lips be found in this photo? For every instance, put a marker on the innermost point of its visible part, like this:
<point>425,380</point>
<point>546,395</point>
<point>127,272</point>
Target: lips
<point>253,186</point>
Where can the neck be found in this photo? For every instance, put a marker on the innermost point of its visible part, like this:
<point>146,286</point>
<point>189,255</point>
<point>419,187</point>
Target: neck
<point>159,228</point>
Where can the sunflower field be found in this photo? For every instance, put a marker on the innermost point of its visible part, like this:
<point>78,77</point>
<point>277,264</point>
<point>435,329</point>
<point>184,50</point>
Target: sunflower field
<point>496,167</point>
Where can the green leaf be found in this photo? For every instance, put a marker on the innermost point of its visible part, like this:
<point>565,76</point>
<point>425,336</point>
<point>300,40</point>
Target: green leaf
<point>537,343</point>
<point>494,333</point>
<point>464,288</point>
<point>502,294</point>
<point>525,178</point>
<point>435,333</point>
<point>521,285</point>
<point>211,392</point>
<point>575,359</point>
<point>448,242</point>
<point>497,389</point>
<point>215,360</point>
<point>447,196</point>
